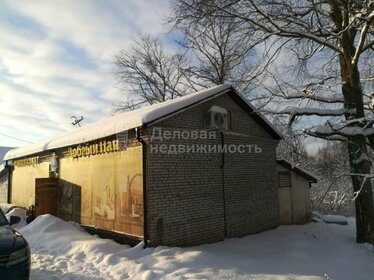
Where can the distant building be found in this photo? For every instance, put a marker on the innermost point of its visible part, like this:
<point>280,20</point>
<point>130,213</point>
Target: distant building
<point>4,175</point>
<point>3,184</point>
<point>196,169</point>
<point>294,194</point>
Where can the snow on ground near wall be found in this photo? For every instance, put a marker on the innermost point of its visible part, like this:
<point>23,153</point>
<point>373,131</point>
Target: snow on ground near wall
<point>63,250</point>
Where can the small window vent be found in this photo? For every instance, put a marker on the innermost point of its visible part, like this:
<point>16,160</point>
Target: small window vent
<point>284,179</point>
<point>217,118</point>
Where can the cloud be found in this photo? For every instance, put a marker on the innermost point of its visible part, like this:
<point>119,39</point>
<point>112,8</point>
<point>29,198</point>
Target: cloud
<point>56,60</point>
<point>99,27</point>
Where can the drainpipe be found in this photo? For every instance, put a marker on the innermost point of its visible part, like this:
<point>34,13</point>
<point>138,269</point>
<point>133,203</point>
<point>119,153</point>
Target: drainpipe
<point>9,193</point>
<point>138,131</point>
<point>223,183</point>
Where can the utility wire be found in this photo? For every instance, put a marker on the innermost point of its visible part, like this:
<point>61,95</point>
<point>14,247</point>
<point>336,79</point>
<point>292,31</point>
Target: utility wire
<point>15,138</point>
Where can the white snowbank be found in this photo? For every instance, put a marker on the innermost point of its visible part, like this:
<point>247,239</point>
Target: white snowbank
<point>335,219</point>
<point>19,212</point>
<point>62,250</point>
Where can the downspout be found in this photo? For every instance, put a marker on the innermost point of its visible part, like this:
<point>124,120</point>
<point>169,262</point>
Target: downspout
<point>223,183</point>
<point>138,131</point>
<point>9,193</point>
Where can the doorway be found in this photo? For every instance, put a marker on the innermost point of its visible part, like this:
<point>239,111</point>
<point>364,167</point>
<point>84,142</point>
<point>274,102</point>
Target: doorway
<point>46,196</point>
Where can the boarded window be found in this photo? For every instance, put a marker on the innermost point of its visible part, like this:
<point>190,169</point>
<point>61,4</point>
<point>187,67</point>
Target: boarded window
<point>284,179</point>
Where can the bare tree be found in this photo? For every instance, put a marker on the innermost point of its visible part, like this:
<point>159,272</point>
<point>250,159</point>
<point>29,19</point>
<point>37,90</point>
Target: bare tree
<point>217,51</point>
<point>330,44</point>
<point>333,192</point>
<point>148,74</point>
<point>293,146</point>
<point>212,52</point>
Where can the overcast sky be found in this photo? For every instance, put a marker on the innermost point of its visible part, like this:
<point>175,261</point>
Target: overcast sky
<point>56,60</point>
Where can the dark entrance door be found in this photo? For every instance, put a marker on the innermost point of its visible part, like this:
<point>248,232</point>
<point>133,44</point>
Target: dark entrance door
<point>46,196</point>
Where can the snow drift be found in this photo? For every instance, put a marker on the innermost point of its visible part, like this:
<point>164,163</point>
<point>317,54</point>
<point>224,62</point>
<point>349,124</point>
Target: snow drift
<point>63,250</point>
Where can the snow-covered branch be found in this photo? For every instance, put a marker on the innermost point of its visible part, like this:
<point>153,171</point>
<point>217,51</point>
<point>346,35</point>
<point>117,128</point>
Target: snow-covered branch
<point>309,95</point>
<point>363,36</point>
<point>300,111</point>
<point>347,131</point>
<point>281,25</point>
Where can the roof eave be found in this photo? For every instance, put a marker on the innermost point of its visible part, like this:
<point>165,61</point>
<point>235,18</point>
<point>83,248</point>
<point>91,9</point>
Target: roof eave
<point>300,172</point>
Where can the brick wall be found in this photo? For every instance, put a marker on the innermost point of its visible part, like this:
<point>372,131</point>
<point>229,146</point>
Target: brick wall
<point>184,191</point>
<point>191,195</point>
<point>251,188</point>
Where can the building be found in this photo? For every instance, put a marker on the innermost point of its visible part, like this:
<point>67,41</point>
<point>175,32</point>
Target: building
<point>294,194</point>
<point>191,170</point>
<point>3,176</point>
<point>3,184</point>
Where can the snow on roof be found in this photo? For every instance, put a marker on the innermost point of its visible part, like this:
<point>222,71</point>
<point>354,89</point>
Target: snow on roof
<point>124,121</point>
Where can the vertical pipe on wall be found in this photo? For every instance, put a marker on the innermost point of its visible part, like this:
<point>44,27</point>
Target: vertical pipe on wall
<point>9,192</point>
<point>138,131</point>
<point>223,183</point>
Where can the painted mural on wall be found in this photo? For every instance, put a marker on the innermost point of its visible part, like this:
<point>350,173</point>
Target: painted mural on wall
<point>100,189</point>
<point>111,187</point>
<point>105,202</point>
<point>132,198</point>
<point>131,203</point>
<point>129,184</point>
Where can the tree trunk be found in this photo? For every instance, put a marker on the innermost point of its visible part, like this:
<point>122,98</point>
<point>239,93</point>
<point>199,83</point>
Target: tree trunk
<point>364,201</point>
<point>358,151</point>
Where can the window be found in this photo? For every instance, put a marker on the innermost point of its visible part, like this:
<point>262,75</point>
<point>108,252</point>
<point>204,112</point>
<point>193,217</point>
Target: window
<point>284,179</point>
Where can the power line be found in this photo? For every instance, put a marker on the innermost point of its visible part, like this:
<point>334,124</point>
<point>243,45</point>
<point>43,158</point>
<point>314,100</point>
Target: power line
<point>15,138</point>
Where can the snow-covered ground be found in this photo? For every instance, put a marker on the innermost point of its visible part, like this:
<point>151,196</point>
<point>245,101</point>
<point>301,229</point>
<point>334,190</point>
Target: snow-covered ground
<point>62,250</point>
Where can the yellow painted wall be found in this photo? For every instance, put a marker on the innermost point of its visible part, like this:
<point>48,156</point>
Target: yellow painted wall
<point>104,190</point>
<point>23,182</point>
<point>111,187</point>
